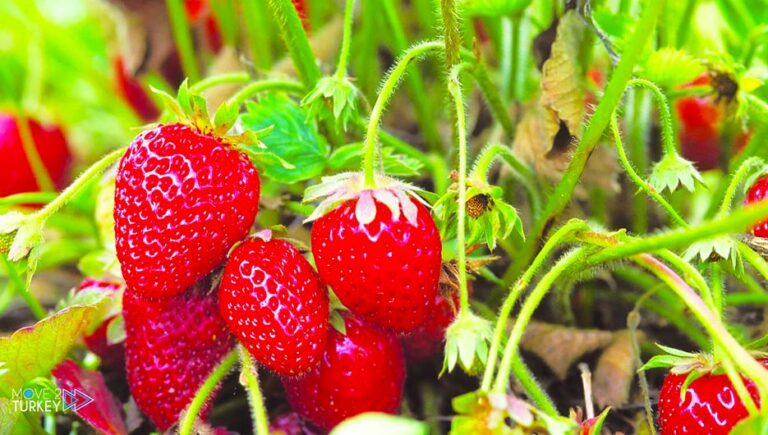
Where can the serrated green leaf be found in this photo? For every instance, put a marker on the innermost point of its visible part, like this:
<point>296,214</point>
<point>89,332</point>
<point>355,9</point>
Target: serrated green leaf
<point>292,139</point>
<point>33,351</point>
<point>668,67</point>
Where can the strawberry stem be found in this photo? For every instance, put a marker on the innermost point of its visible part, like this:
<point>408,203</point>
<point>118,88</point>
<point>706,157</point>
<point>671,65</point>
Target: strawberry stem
<point>23,290</point>
<point>203,394</point>
<point>265,86</point>
<point>388,88</point>
<point>562,194</point>
<point>183,38</point>
<point>341,67</point>
<point>558,237</point>
<point>665,114</point>
<point>454,88</point>
<point>256,26</point>
<point>295,39</point>
<point>255,398</point>
<point>638,180</point>
<point>217,80</point>
<point>521,171</point>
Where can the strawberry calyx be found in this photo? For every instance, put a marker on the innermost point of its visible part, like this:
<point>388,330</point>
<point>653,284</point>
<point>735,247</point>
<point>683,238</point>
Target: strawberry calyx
<point>191,109</point>
<point>394,194</point>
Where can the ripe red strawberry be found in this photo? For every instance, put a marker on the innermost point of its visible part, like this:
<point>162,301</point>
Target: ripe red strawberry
<point>427,340</point>
<point>171,347</point>
<point>182,199</point>
<point>302,8</point>
<point>380,251</point>
<point>700,122</point>
<point>110,354</point>
<point>16,175</point>
<point>756,193</point>
<point>362,371</point>
<point>710,406</point>
<point>134,94</point>
<point>274,303</point>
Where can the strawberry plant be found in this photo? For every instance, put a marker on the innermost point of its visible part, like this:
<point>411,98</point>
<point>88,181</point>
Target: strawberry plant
<point>345,217</point>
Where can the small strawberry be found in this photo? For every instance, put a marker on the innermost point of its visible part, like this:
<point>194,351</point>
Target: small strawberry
<point>362,371</point>
<point>700,120</point>
<point>710,404</point>
<point>134,94</point>
<point>302,8</point>
<point>16,174</point>
<point>171,347</point>
<point>379,250</point>
<point>97,342</point>
<point>183,197</point>
<point>757,192</point>
<point>274,303</point>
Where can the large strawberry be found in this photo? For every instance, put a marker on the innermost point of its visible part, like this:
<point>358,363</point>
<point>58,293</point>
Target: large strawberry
<point>97,341</point>
<point>16,174</point>
<point>757,192</point>
<point>710,404</point>
<point>379,250</point>
<point>183,197</point>
<point>274,303</point>
<point>361,371</point>
<point>171,347</point>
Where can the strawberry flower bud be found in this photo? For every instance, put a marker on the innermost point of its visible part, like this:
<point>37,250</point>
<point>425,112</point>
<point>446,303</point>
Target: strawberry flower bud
<point>333,95</point>
<point>467,343</point>
<point>673,170</point>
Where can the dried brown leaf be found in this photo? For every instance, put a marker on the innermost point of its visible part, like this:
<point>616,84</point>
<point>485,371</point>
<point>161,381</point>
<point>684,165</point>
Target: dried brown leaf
<point>615,371</point>
<point>560,346</point>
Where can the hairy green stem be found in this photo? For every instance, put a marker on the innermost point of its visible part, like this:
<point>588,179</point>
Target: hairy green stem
<point>511,350</point>
<point>557,238</point>
<point>204,392</point>
<point>716,275</point>
<point>561,197</point>
<point>665,114</point>
<point>346,39</point>
<point>255,398</point>
<point>265,86</point>
<point>218,80</point>
<point>754,259</point>
<point>414,80</point>
<point>296,41</point>
<point>742,171</point>
<point>183,38</point>
<point>27,198</point>
<point>454,89</point>
<point>637,122</point>
<point>512,34</point>
<point>29,299</point>
<point>492,97</point>
<point>640,181</point>
<point>735,223</point>
<point>387,90</point>
<point>736,380</point>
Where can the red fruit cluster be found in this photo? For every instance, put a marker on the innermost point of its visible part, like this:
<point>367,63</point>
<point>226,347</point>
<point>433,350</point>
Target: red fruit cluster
<point>710,404</point>
<point>386,270</point>
<point>171,347</point>
<point>756,193</point>
<point>361,371</point>
<point>16,174</point>
<point>182,199</point>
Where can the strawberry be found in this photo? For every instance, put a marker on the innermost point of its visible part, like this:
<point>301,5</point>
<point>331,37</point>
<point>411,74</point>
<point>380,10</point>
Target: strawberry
<point>302,8</point>
<point>362,371</point>
<point>111,354</point>
<point>379,250</point>
<point>16,174</point>
<point>700,126</point>
<point>134,94</point>
<point>182,199</point>
<point>171,347</point>
<point>274,303</point>
<point>757,192</point>
<point>710,405</point>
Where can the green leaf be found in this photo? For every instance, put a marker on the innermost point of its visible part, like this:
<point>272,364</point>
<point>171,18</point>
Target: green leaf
<point>33,351</point>
<point>755,425</point>
<point>375,423</point>
<point>292,139</point>
<point>597,428</point>
<point>668,67</point>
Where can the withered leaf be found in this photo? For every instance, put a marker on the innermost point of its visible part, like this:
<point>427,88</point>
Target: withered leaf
<point>615,371</point>
<point>560,346</point>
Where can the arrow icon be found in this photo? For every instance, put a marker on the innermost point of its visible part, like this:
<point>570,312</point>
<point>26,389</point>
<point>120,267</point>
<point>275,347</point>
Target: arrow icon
<point>75,399</point>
